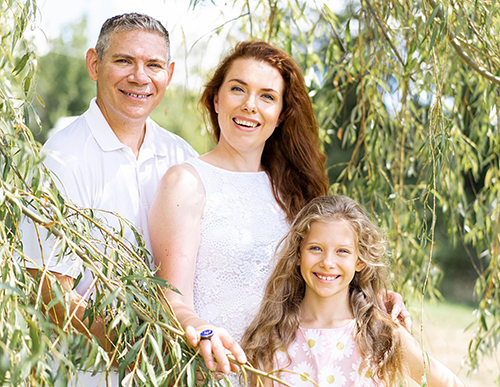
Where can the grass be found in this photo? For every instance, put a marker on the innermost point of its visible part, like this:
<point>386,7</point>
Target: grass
<point>445,338</point>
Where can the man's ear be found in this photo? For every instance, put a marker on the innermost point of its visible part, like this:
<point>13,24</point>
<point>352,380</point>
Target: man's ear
<point>92,63</point>
<point>170,70</point>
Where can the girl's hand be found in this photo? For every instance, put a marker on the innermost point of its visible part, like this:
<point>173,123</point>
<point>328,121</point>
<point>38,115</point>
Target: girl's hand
<point>220,345</point>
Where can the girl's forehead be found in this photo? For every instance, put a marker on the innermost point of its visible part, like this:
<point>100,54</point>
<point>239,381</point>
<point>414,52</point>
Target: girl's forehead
<point>330,227</point>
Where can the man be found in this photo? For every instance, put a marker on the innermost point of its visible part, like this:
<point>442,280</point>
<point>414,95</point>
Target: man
<point>113,156</point>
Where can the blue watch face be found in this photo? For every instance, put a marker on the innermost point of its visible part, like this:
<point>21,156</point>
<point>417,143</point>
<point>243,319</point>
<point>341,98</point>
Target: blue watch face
<point>207,333</point>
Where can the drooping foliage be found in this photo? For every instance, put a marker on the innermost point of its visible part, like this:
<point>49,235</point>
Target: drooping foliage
<point>407,98</point>
<point>148,343</point>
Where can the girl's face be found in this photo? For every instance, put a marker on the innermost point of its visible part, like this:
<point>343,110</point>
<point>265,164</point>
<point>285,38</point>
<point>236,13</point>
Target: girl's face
<point>328,261</point>
<point>249,104</point>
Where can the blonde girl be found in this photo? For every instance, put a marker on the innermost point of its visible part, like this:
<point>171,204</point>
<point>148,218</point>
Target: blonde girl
<point>321,317</point>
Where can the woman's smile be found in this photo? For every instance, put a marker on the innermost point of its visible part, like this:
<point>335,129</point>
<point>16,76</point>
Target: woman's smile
<point>249,104</point>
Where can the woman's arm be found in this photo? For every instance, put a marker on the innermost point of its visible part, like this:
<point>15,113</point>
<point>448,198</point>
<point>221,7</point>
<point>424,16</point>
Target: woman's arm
<point>438,375</point>
<point>174,228</point>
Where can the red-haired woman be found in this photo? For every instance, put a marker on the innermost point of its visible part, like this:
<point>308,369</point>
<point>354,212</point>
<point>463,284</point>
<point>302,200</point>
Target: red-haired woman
<point>217,219</point>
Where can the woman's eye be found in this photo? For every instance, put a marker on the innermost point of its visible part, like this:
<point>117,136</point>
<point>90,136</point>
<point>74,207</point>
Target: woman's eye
<point>268,97</point>
<point>236,88</point>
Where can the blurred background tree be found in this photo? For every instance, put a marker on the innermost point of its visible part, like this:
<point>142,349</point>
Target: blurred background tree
<point>407,98</point>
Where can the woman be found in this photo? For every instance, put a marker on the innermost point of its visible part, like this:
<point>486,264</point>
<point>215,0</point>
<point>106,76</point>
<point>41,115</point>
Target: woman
<point>216,220</point>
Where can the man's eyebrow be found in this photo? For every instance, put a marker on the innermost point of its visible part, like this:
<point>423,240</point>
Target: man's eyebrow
<point>246,84</point>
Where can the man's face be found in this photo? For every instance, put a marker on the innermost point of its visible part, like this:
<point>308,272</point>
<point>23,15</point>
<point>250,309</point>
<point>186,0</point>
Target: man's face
<point>132,76</point>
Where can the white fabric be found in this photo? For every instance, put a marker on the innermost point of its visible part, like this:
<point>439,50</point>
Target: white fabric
<point>95,170</point>
<point>241,226</point>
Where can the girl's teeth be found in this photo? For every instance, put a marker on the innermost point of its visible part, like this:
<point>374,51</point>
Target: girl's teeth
<point>325,278</point>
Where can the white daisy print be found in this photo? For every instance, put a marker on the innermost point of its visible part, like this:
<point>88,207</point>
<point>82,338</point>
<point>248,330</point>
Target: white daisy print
<point>313,345</point>
<point>342,347</point>
<point>292,349</point>
<point>361,376</point>
<point>305,371</point>
<point>281,357</point>
<point>331,376</point>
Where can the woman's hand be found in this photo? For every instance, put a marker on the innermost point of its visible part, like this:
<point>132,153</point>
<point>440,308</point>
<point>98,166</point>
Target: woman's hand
<point>220,345</point>
<point>393,303</point>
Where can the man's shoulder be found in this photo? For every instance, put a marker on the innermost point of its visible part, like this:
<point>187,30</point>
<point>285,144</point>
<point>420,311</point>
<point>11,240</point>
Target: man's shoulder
<point>74,134</point>
<point>168,140</point>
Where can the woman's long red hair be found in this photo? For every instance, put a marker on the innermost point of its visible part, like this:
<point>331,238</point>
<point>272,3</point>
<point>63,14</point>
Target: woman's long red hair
<point>292,156</point>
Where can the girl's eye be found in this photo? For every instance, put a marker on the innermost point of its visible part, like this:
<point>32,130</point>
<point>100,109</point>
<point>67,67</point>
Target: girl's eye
<point>344,251</point>
<point>315,248</point>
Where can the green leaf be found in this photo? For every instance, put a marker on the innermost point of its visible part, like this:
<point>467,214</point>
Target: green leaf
<point>40,99</point>
<point>432,16</point>
<point>433,38</point>
<point>21,64</point>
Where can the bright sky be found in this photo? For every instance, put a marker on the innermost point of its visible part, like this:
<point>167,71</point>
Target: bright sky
<point>186,27</point>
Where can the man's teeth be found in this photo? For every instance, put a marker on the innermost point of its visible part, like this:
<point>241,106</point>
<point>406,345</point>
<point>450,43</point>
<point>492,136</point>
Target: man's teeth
<point>325,278</point>
<point>136,95</point>
<point>246,123</point>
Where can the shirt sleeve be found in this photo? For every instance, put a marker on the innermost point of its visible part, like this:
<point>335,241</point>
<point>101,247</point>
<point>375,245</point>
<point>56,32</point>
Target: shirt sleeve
<point>41,249</point>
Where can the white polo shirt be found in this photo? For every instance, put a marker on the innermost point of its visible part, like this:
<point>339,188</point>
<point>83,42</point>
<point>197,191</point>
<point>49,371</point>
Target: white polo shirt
<point>95,170</point>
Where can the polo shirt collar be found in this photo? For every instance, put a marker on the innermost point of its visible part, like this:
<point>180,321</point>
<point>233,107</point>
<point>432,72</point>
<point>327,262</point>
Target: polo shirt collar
<point>152,141</point>
<point>101,130</point>
<point>107,139</point>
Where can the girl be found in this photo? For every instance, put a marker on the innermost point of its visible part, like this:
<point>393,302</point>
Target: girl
<point>321,317</point>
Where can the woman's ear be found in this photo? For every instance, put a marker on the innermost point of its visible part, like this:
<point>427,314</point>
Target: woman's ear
<point>280,120</point>
<point>216,103</point>
<point>360,265</point>
<point>298,258</point>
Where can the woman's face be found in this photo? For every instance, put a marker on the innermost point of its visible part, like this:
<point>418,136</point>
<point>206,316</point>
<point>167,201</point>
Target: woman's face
<point>249,104</point>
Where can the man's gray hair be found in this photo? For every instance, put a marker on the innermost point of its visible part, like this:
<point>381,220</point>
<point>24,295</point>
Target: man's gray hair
<point>129,22</point>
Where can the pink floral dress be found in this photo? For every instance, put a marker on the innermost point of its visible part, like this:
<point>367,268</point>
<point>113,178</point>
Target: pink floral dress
<point>327,356</point>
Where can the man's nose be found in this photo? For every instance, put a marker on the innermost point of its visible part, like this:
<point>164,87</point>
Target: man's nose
<point>139,75</point>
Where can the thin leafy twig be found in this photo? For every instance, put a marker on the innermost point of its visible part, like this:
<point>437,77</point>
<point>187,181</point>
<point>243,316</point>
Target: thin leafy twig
<point>462,54</point>
<point>384,32</point>
<point>81,254</point>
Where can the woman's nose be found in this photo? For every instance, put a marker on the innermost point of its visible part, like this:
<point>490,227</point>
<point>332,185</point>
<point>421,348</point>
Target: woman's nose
<point>249,105</point>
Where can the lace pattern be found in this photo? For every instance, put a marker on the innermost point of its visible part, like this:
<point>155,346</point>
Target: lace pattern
<point>241,226</point>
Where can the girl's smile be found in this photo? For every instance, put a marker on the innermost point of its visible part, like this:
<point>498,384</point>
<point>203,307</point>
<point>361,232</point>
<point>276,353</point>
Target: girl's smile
<point>329,260</point>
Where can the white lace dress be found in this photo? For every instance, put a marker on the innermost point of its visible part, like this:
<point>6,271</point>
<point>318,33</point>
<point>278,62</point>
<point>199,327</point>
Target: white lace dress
<point>240,228</point>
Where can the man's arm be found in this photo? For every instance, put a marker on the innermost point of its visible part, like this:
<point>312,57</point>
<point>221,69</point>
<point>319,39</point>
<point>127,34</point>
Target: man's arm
<point>76,308</point>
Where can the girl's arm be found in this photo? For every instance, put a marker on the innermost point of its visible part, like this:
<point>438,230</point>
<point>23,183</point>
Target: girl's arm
<point>438,375</point>
<point>174,227</point>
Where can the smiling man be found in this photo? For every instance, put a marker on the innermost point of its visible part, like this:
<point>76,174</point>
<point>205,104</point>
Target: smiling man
<point>113,156</point>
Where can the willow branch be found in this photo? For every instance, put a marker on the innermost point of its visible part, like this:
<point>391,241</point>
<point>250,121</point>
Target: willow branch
<point>462,54</point>
<point>384,32</point>
<point>81,254</point>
